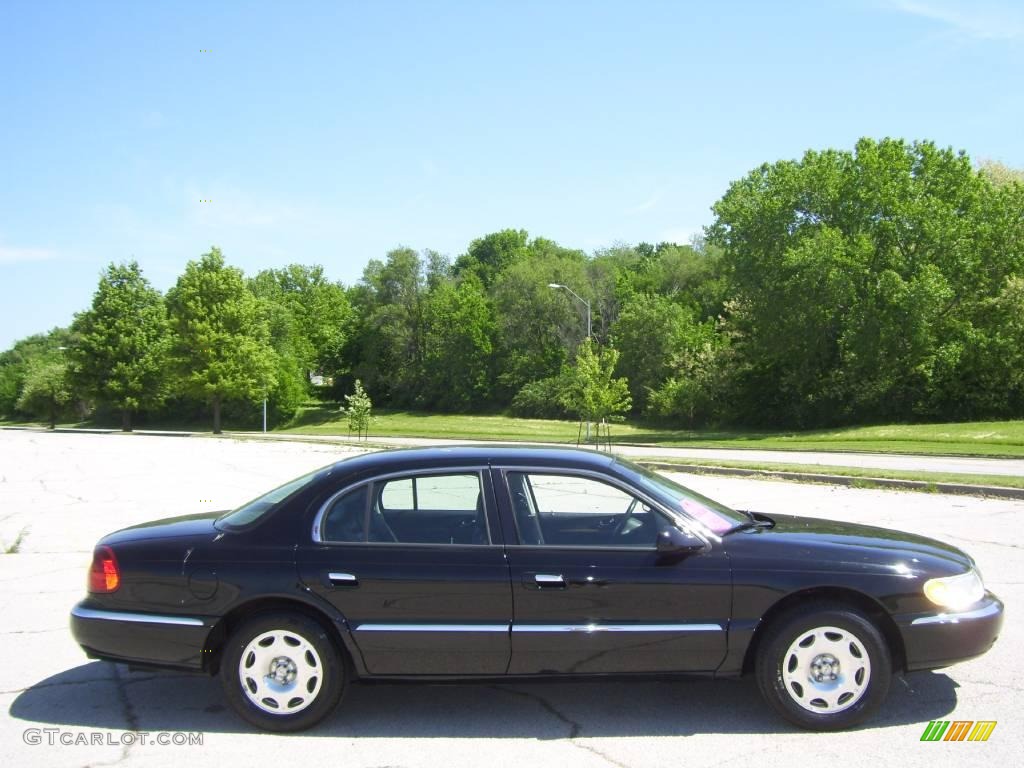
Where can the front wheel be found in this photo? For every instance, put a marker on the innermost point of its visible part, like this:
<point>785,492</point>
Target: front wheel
<point>281,672</point>
<point>824,667</point>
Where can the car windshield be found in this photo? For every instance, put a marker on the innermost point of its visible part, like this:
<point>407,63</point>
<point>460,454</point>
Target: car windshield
<point>253,510</point>
<point>716,517</point>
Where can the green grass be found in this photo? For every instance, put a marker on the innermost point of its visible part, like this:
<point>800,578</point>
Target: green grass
<point>983,438</point>
<point>862,473</point>
<point>325,420</point>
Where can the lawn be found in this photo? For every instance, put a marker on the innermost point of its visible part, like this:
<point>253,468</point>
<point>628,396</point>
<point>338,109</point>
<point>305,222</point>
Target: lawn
<point>983,438</point>
<point>979,438</point>
<point>865,473</point>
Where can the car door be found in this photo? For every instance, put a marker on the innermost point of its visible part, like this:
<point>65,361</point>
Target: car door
<point>415,563</point>
<point>592,594</point>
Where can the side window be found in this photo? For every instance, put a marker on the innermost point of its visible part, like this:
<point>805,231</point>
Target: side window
<point>574,511</point>
<point>397,494</point>
<point>567,495</point>
<point>346,518</point>
<point>429,509</point>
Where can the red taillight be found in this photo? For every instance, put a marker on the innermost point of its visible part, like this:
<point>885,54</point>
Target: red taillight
<point>104,575</point>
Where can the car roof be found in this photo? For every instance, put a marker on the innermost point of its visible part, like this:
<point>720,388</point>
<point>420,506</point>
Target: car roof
<point>397,460</point>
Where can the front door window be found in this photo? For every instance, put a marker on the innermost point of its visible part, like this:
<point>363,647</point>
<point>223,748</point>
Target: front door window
<point>573,511</point>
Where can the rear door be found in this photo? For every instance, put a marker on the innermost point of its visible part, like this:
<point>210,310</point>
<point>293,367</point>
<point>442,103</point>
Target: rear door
<point>416,565</point>
<point>592,594</point>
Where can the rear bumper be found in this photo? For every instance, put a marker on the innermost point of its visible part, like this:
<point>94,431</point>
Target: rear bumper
<point>141,638</point>
<point>939,639</point>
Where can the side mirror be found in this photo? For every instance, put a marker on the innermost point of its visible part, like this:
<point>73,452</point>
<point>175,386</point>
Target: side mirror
<point>675,541</point>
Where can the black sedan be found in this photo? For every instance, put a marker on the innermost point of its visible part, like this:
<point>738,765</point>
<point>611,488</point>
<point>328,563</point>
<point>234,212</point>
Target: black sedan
<point>520,562</point>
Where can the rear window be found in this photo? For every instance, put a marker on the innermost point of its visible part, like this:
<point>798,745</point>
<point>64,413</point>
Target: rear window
<point>253,510</point>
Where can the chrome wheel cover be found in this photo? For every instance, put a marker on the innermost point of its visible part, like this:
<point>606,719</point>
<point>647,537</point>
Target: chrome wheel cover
<point>280,672</point>
<point>826,670</point>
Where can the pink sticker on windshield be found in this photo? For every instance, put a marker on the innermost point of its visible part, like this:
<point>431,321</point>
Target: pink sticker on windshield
<point>708,517</point>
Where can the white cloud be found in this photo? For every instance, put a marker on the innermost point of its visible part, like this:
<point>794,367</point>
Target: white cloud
<point>12,255</point>
<point>646,205</point>
<point>984,21</point>
<point>678,235</point>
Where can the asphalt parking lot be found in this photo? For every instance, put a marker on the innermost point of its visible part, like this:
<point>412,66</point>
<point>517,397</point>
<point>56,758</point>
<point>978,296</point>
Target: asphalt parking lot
<point>65,491</point>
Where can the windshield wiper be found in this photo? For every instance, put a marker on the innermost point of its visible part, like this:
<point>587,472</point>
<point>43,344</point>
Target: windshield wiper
<point>754,522</point>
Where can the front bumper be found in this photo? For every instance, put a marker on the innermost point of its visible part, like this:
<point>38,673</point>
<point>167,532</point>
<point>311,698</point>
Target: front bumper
<point>936,640</point>
<point>144,639</point>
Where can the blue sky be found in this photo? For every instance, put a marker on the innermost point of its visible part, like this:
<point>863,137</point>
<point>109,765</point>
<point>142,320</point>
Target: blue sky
<point>331,132</point>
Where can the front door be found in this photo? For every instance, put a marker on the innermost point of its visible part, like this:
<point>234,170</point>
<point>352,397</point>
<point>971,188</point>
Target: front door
<point>592,594</point>
<point>411,563</point>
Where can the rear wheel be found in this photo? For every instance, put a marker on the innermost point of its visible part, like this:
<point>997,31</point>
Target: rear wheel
<point>824,666</point>
<point>281,672</point>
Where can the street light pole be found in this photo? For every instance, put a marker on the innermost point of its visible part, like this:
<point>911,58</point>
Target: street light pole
<point>559,286</point>
<point>590,332</point>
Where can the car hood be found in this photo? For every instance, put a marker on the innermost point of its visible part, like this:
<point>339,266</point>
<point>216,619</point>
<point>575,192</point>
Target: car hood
<point>200,524</point>
<point>812,543</point>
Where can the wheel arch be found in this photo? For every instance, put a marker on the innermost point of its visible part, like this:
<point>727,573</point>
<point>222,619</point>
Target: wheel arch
<point>335,626</point>
<point>840,595</point>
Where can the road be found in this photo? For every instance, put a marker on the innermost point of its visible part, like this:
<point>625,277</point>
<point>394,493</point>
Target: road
<point>951,464</point>
<point>70,489</point>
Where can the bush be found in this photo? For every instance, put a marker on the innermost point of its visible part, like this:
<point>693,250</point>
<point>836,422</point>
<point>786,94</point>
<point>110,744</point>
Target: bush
<point>542,399</point>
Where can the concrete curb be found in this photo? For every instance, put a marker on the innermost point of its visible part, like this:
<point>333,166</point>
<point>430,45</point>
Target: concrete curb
<point>988,491</point>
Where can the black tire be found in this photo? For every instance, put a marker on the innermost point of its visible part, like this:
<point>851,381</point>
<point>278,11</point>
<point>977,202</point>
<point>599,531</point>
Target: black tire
<point>797,649</point>
<point>292,644</point>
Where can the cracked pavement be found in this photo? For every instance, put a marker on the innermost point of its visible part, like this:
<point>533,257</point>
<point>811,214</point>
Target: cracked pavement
<point>68,490</point>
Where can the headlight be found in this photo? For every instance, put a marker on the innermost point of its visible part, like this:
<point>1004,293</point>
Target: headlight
<point>956,592</point>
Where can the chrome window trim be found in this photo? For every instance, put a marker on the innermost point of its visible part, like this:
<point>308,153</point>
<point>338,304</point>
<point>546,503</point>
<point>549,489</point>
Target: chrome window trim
<point>432,628</point>
<point>136,618</point>
<point>540,628</point>
<point>475,469</point>
<point>593,628</point>
<point>699,530</point>
<point>954,618</point>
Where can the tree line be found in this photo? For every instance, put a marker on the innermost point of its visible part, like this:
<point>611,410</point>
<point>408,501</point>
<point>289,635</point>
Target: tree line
<point>883,283</point>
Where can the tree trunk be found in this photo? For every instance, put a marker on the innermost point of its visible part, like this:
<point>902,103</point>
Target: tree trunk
<point>126,420</point>
<point>216,414</point>
<point>53,415</point>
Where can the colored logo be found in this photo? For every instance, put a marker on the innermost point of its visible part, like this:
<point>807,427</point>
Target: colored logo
<point>958,730</point>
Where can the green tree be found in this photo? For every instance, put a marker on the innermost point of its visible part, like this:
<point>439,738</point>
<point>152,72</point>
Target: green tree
<point>689,275</point>
<point>389,345</point>
<point>119,351</point>
<point>357,410</point>
<point>489,256</point>
<point>457,357</point>
<point>15,362</point>
<point>45,390</point>
<point>861,276</point>
<point>658,339</point>
<point>221,346</point>
<point>319,316</point>
<point>593,392</point>
<point>1000,175</point>
<point>537,328</point>
<point>692,392</point>
<point>544,398</point>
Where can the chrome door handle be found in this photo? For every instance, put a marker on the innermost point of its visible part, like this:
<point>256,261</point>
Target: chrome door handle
<point>339,579</point>
<point>549,580</point>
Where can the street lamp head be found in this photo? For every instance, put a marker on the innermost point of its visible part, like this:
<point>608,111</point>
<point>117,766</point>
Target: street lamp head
<point>555,285</point>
